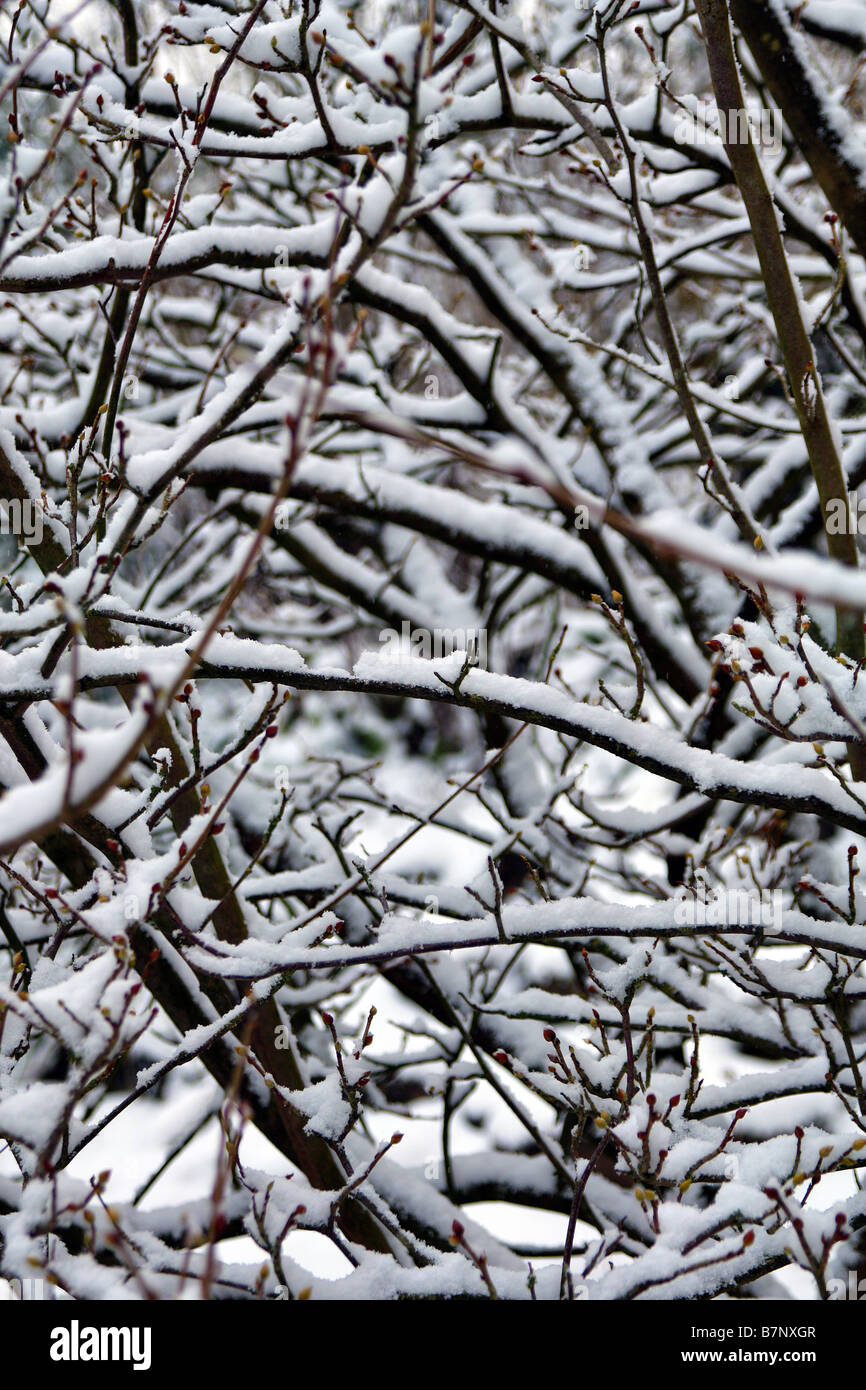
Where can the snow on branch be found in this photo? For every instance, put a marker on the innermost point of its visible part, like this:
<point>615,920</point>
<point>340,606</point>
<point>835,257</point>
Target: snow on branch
<point>432,694</point>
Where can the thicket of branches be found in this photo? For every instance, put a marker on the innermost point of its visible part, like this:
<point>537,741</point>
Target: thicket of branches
<point>430,613</point>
